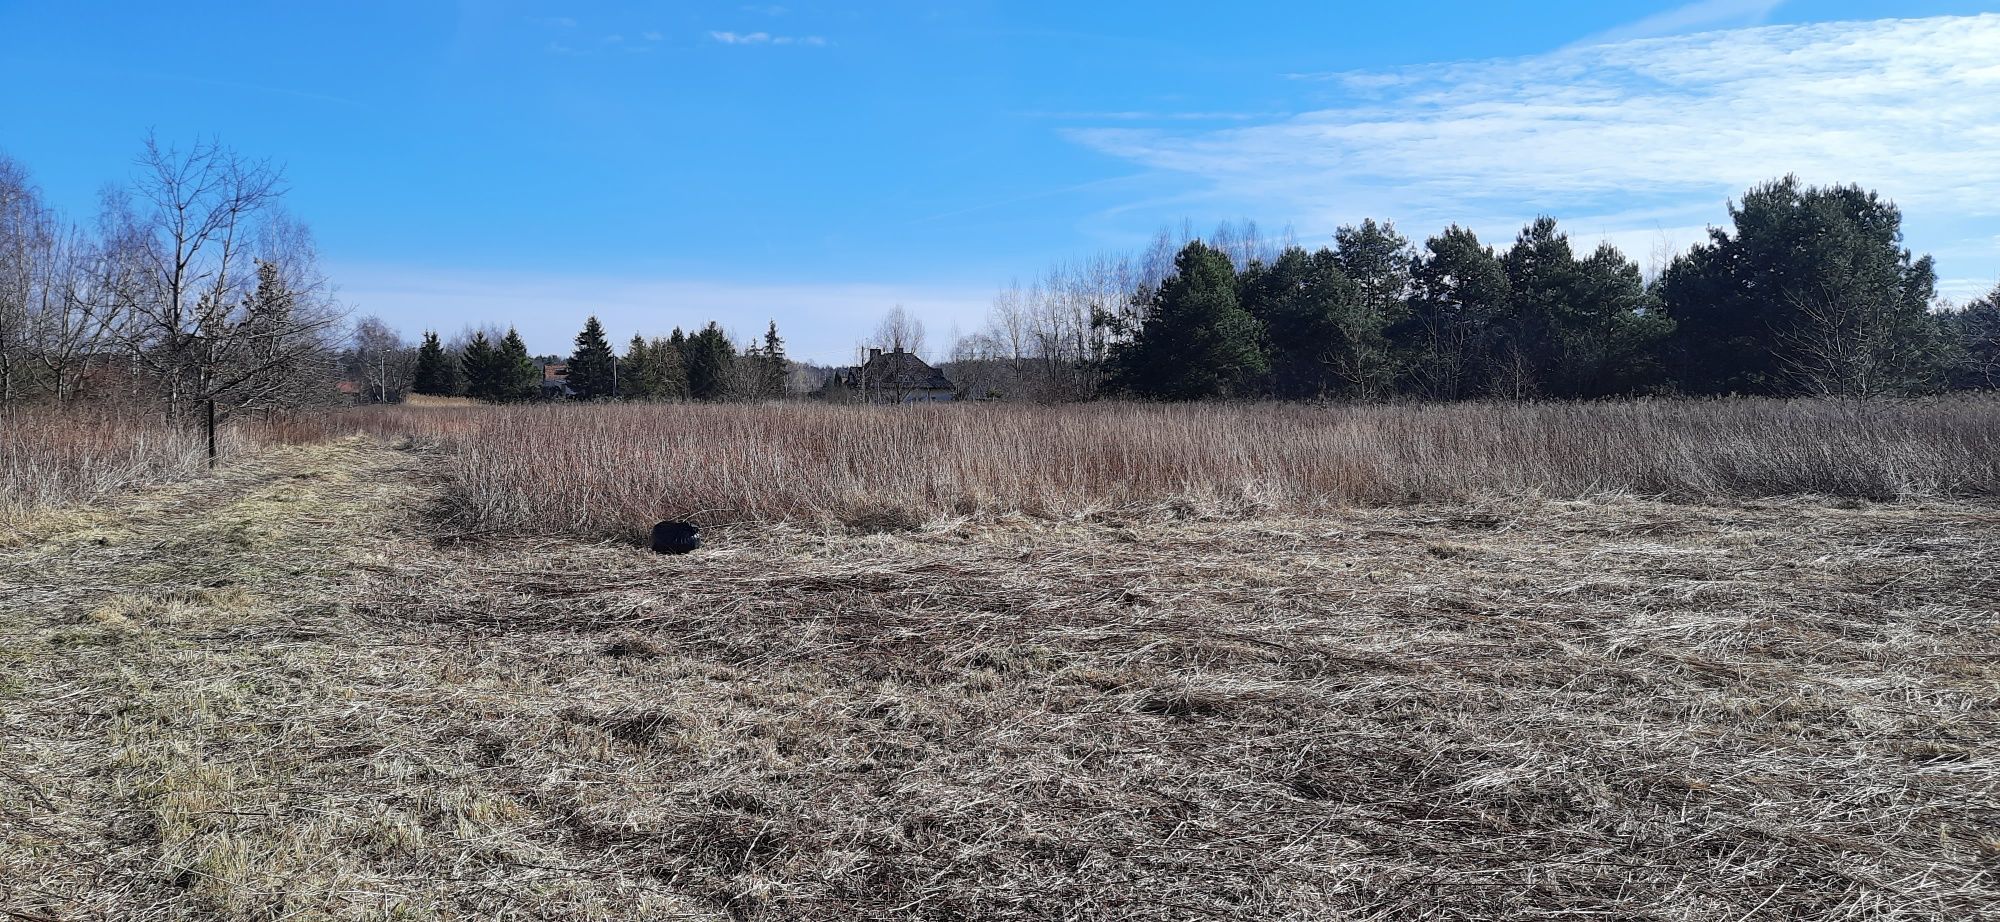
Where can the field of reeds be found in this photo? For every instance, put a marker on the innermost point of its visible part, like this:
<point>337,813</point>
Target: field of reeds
<point>58,456</point>
<point>617,468</point>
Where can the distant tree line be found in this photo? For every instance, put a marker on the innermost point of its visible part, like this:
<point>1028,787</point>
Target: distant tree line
<point>1810,291</point>
<point>194,292</point>
<point>703,366</point>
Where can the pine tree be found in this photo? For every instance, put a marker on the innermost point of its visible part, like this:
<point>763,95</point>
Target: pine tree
<point>515,376</point>
<point>437,373</point>
<point>1541,286</point>
<point>1976,327</point>
<point>591,372</point>
<point>1811,290</point>
<point>1310,312</point>
<point>1458,295</point>
<point>1197,341</point>
<point>1378,260</point>
<point>1612,331</point>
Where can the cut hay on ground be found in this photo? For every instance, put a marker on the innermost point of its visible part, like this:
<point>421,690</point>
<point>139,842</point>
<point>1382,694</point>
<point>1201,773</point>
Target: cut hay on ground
<point>1525,710</point>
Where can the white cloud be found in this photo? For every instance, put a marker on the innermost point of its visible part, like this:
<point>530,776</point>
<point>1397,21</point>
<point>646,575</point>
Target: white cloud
<point>765,38</point>
<point>1626,137</point>
<point>1962,291</point>
<point>1135,115</point>
<point>1706,14</point>
<point>820,321</point>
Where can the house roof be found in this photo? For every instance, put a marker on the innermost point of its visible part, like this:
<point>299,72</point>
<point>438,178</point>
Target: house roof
<point>899,370</point>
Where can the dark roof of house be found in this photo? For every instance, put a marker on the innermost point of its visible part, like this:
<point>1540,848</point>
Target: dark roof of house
<point>898,370</point>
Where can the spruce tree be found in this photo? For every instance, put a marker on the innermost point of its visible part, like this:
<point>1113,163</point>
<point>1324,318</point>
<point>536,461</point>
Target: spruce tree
<point>711,358</point>
<point>775,366</point>
<point>514,373</point>
<point>437,373</point>
<point>477,367</point>
<point>591,372</point>
<point>667,368</point>
<point>636,378</point>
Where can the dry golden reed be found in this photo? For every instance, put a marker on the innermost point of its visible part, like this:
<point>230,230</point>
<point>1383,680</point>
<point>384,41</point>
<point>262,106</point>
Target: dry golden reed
<point>53,456</point>
<point>614,468</point>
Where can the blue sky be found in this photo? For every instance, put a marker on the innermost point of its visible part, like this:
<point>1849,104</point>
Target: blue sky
<point>662,164</point>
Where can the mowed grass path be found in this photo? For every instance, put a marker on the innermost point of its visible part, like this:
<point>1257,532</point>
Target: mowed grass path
<point>272,694</point>
<point>175,667</point>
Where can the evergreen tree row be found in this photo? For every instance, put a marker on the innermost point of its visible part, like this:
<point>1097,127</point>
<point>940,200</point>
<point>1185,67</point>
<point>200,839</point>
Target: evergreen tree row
<point>702,366</point>
<point>1809,292</point>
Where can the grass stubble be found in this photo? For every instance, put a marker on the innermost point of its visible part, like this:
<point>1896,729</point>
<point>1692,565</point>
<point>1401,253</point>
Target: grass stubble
<point>274,694</point>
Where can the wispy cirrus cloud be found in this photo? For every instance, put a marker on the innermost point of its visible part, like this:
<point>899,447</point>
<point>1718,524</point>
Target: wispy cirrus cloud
<point>1706,14</point>
<point>764,38</point>
<point>1135,115</point>
<point>1645,133</point>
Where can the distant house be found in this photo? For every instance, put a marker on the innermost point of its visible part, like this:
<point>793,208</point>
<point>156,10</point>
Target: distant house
<point>555,380</point>
<point>891,377</point>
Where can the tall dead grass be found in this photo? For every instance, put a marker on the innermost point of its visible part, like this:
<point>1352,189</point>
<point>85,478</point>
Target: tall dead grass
<point>617,468</point>
<point>55,456</point>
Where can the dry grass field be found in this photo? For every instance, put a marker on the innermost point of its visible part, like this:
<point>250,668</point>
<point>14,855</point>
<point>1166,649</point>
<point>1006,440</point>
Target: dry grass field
<point>51,457</point>
<point>617,469</point>
<point>326,683</point>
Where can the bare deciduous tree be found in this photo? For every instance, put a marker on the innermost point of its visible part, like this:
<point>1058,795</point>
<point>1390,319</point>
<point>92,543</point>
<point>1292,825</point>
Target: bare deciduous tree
<point>231,315</point>
<point>75,317</point>
<point>21,226</point>
<point>1850,342</point>
<point>58,307</point>
<point>383,361</point>
<point>900,330</point>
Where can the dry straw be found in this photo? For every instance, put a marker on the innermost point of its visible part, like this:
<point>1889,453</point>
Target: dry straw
<point>616,469</point>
